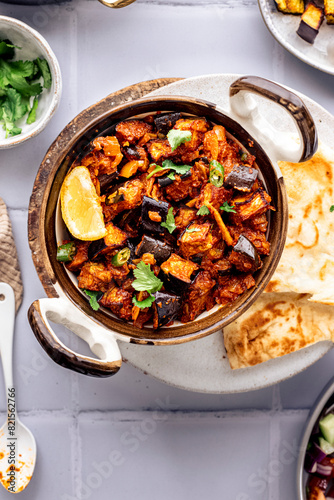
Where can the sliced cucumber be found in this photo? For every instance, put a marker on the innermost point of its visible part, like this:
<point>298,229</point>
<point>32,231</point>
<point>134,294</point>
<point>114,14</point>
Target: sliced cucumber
<point>326,446</point>
<point>326,426</point>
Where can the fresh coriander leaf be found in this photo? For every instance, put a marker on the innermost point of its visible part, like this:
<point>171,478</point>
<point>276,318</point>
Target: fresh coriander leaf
<point>171,176</point>
<point>22,68</point>
<point>227,208</point>
<point>177,137</point>
<point>169,165</point>
<point>145,280</point>
<point>14,74</point>
<point>170,221</point>
<point>12,109</point>
<point>13,105</point>
<point>7,49</point>
<point>179,169</point>
<point>45,71</point>
<point>157,169</point>
<point>144,303</point>
<point>203,210</point>
<point>192,229</point>
<point>332,208</point>
<point>32,113</point>
<point>93,298</point>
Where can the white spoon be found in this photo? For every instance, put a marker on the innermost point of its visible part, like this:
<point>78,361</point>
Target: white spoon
<point>17,444</point>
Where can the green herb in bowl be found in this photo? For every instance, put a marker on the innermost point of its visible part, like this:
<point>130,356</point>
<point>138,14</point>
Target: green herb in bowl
<point>21,82</point>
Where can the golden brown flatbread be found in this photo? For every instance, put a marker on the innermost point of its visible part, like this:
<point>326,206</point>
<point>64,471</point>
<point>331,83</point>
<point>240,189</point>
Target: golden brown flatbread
<point>277,324</point>
<point>307,262</point>
<point>300,312</point>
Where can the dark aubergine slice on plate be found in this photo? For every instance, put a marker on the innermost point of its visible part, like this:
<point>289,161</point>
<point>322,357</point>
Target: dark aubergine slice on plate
<point>248,251</point>
<point>159,249</point>
<point>241,178</point>
<point>176,274</point>
<point>166,307</point>
<point>115,238</point>
<point>106,181</point>
<point>153,212</point>
<point>166,181</point>
<point>165,122</point>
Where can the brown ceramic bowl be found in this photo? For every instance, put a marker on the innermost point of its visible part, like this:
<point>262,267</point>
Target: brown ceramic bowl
<point>102,329</point>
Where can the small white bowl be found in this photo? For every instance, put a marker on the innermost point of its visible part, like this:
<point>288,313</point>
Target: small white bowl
<point>33,46</point>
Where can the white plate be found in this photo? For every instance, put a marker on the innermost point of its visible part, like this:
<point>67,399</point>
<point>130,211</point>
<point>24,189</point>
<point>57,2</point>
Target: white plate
<point>283,27</point>
<point>202,365</point>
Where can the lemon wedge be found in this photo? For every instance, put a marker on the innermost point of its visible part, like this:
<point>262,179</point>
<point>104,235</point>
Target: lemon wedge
<point>80,206</point>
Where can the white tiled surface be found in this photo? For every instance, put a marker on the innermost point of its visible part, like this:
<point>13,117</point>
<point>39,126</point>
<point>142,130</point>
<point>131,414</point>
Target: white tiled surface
<point>132,436</point>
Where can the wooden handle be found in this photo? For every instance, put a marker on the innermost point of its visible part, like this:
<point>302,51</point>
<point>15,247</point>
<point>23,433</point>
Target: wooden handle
<point>290,102</point>
<point>101,341</point>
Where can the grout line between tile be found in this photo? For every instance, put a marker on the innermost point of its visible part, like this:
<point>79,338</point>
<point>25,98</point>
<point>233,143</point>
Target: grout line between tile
<point>274,465</point>
<point>278,62</point>
<point>132,415</point>
<point>74,432</point>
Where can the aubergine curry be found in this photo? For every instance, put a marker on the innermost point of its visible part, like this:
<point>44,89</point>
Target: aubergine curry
<point>186,219</point>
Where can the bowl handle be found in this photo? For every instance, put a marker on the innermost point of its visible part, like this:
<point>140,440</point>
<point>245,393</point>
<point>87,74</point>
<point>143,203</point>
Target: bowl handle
<point>279,145</point>
<point>117,4</point>
<point>102,342</point>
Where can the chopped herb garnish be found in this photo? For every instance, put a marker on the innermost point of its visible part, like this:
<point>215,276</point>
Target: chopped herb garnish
<point>332,208</point>
<point>227,208</point>
<point>216,176</point>
<point>143,303</point>
<point>32,113</point>
<point>18,84</point>
<point>93,298</point>
<point>192,229</point>
<point>203,210</point>
<point>171,176</point>
<point>169,165</point>
<point>177,137</point>
<point>146,280</point>
<point>44,70</point>
<point>243,156</point>
<point>170,221</point>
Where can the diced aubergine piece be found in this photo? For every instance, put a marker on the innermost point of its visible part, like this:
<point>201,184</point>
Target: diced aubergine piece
<point>128,221</point>
<point>115,238</point>
<point>252,204</point>
<point>114,197</point>
<point>153,212</point>
<point>310,22</point>
<point>165,122</point>
<point>196,239</point>
<point>224,267</point>
<point>290,6</point>
<point>166,181</point>
<point>132,153</point>
<point>176,274</point>
<point>106,181</point>
<point>241,178</point>
<point>166,307</point>
<point>159,249</point>
<point>248,250</point>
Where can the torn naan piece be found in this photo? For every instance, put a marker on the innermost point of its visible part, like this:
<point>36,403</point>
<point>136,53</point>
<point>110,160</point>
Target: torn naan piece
<point>275,325</point>
<point>307,262</point>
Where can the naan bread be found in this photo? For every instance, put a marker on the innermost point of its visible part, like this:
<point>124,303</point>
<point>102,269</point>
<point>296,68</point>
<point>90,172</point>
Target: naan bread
<point>277,324</point>
<point>307,262</point>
